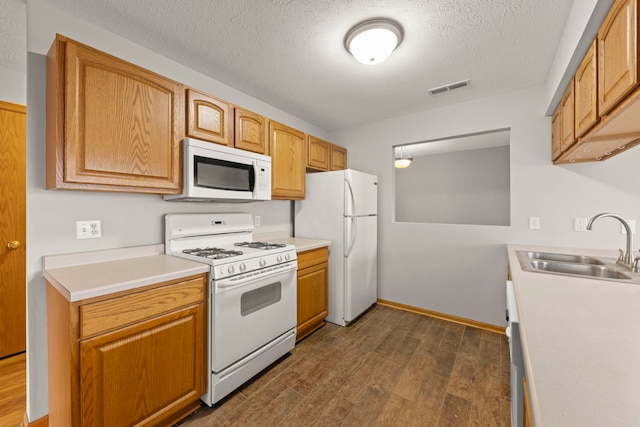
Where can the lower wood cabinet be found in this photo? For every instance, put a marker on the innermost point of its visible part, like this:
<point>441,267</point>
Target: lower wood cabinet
<point>135,359</point>
<point>526,415</point>
<point>313,283</point>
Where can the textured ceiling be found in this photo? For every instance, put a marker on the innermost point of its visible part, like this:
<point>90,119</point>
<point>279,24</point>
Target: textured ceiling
<point>290,53</point>
<point>13,34</point>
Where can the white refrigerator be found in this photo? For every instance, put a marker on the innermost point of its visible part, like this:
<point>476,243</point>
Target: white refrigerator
<point>341,206</point>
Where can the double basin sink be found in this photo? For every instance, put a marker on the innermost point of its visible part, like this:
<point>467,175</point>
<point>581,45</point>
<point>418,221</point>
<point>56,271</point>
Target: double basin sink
<point>577,266</point>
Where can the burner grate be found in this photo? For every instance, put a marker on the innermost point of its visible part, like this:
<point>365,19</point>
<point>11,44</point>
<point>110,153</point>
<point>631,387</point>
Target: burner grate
<point>212,253</point>
<point>260,245</point>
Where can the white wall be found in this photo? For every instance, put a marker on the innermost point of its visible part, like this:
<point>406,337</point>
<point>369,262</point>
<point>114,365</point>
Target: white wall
<point>461,269</point>
<point>127,219</point>
<point>13,86</point>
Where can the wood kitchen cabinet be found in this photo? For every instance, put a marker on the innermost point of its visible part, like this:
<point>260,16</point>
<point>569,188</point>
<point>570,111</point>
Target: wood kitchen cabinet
<point>136,358</point>
<point>251,131</point>
<point>527,420</point>
<point>324,156</point>
<point>313,285</point>
<point>567,126</point>
<point>556,132</point>
<point>617,54</point>
<point>586,94</point>
<point>612,126</point>
<point>288,150</point>
<point>318,154</point>
<point>208,118</point>
<point>111,125</point>
<point>338,158</point>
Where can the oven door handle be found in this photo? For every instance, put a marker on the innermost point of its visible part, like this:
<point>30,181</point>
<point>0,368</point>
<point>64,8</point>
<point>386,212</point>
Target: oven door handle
<point>238,281</point>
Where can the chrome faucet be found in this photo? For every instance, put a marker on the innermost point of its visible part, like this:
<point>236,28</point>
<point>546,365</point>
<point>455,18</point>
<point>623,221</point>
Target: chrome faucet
<point>626,257</point>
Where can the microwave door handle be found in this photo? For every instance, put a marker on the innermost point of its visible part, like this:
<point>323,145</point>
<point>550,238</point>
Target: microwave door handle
<point>253,174</point>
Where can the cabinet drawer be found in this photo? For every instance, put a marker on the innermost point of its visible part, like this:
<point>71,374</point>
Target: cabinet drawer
<point>117,312</point>
<point>312,257</point>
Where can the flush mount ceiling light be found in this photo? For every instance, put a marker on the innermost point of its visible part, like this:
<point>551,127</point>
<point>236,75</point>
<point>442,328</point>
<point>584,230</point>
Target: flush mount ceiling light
<point>372,41</point>
<point>403,158</point>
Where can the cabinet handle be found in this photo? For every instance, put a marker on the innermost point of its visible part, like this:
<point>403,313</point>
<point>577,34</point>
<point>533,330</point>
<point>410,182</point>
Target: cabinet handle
<point>14,244</point>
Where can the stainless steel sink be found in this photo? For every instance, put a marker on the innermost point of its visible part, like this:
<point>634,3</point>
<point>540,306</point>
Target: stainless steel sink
<point>576,259</point>
<point>599,271</point>
<point>577,266</point>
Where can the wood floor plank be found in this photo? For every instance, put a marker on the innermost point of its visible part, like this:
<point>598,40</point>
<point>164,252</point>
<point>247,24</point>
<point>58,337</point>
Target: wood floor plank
<point>13,384</point>
<point>389,368</point>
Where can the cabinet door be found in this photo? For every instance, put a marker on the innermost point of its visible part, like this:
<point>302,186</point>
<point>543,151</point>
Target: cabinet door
<point>617,54</point>
<point>208,118</point>
<point>586,99</point>
<point>251,131</point>
<point>318,154</point>
<point>312,298</point>
<point>111,125</point>
<point>287,147</point>
<point>145,373</point>
<point>338,158</point>
<point>567,137</point>
<point>556,131</point>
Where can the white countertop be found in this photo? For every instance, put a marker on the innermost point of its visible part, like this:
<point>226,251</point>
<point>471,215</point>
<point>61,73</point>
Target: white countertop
<point>303,244</point>
<point>85,275</point>
<point>581,345</point>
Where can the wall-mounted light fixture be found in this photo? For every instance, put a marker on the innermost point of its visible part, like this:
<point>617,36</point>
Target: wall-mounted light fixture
<point>403,158</point>
<point>372,41</point>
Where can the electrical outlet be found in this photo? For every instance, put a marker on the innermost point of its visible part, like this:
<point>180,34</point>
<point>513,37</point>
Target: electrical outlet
<point>579,224</point>
<point>256,220</point>
<point>632,225</point>
<point>534,223</point>
<point>88,229</point>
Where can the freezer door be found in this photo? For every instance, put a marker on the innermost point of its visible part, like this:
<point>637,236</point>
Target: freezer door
<point>360,265</point>
<point>361,193</point>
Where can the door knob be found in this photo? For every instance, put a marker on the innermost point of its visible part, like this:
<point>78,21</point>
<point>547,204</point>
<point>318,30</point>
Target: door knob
<point>14,244</point>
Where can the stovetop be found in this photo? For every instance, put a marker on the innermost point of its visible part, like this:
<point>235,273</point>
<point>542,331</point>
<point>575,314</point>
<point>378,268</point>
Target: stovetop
<point>224,241</point>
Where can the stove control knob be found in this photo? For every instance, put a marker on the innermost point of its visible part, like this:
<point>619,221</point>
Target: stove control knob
<point>263,262</point>
<point>231,269</point>
<point>279,258</point>
<point>287,257</point>
<point>243,266</point>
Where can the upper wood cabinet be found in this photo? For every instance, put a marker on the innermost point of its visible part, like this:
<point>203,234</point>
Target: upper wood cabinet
<point>338,158</point>
<point>111,125</point>
<point>318,154</point>
<point>617,54</point>
<point>567,136</point>
<point>324,156</point>
<point>556,132</point>
<point>209,118</point>
<point>612,126</point>
<point>586,95</point>
<point>288,150</point>
<point>251,131</point>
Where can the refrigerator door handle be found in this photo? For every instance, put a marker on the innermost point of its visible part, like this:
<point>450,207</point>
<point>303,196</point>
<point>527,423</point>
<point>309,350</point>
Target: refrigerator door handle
<point>352,237</point>
<point>352,199</point>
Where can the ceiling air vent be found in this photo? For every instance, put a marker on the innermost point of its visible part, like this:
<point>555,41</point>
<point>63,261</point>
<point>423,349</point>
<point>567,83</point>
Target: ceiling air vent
<point>447,88</point>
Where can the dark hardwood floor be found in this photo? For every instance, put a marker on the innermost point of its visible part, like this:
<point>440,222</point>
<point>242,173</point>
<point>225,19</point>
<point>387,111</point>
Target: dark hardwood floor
<point>389,368</point>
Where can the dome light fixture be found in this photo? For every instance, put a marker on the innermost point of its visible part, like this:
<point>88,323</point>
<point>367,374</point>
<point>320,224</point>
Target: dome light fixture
<point>403,158</point>
<point>372,41</point>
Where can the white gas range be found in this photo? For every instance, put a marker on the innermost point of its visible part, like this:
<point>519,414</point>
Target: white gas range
<point>252,294</point>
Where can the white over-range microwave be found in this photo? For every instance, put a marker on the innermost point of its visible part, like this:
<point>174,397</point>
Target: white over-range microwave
<point>213,172</point>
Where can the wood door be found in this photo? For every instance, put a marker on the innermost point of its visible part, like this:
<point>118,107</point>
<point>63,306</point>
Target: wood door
<point>287,147</point>
<point>208,118</point>
<point>617,54</point>
<point>146,373</point>
<point>111,125</point>
<point>13,126</point>
<point>318,154</point>
<point>338,158</point>
<point>251,131</point>
<point>567,136</point>
<point>586,97</point>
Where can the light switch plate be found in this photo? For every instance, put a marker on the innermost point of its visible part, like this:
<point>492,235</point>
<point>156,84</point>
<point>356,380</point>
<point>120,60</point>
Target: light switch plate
<point>534,223</point>
<point>632,225</point>
<point>580,224</point>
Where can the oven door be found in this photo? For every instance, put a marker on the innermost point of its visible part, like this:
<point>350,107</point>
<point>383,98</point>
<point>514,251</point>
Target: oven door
<point>250,312</point>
